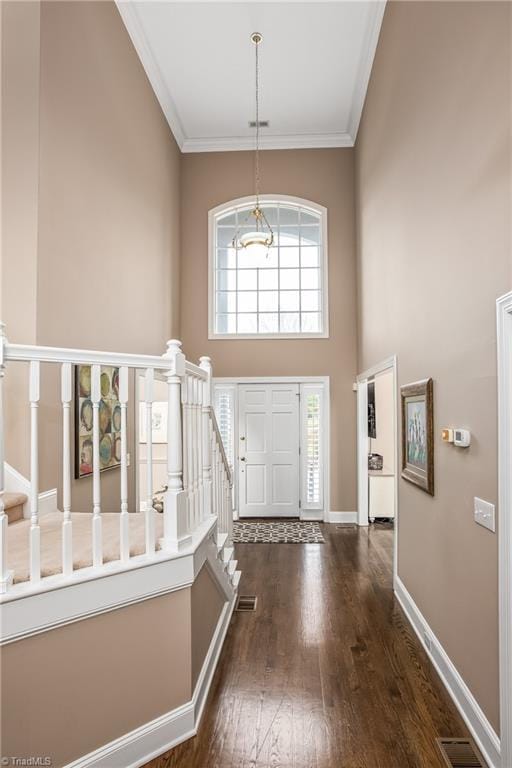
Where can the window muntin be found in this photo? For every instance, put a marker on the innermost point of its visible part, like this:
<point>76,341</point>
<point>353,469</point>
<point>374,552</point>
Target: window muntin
<point>313,449</point>
<point>281,294</point>
<point>224,406</point>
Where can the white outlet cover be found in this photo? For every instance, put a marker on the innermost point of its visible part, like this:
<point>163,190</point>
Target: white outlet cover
<point>485,514</point>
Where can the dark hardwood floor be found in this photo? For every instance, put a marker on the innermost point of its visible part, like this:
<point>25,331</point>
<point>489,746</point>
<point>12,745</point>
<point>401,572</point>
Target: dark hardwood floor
<point>327,673</point>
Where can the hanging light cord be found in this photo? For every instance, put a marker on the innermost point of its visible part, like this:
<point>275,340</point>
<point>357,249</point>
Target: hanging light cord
<point>256,213</point>
<point>257,170</point>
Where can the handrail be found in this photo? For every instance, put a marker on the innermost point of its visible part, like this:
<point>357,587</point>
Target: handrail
<point>27,353</point>
<point>220,442</point>
<point>195,370</point>
<point>199,480</point>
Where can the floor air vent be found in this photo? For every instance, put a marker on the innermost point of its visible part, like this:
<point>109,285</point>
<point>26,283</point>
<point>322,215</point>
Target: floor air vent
<point>460,753</point>
<point>246,603</point>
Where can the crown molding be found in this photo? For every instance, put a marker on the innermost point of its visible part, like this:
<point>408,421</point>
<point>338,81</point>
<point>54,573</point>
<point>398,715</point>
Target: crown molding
<point>365,66</point>
<point>130,17</point>
<point>284,141</point>
<point>128,12</point>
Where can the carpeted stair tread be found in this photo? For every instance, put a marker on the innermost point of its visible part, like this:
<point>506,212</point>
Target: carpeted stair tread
<point>14,499</point>
<point>13,505</point>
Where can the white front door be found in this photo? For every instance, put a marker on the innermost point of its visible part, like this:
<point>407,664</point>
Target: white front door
<point>268,433</point>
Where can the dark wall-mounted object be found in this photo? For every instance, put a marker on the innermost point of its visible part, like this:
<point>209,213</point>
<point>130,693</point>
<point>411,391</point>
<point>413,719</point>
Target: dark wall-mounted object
<point>372,416</point>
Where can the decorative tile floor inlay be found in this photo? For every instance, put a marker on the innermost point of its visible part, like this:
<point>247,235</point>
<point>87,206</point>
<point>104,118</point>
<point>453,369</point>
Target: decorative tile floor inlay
<point>282,532</point>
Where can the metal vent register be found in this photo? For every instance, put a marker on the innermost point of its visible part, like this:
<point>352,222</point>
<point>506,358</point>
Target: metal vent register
<point>246,603</point>
<point>460,753</point>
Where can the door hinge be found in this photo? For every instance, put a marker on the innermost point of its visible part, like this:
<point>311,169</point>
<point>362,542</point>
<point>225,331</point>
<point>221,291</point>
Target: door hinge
<point>299,450</point>
<point>300,503</point>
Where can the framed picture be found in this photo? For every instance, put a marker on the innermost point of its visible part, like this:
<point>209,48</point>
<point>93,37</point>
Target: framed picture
<point>418,434</point>
<point>372,415</point>
<point>158,422</point>
<point>109,417</point>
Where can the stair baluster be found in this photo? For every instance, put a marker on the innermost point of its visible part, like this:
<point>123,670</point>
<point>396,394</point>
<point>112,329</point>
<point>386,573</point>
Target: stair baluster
<point>97,543</point>
<point>150,512</point>
<point>35,532</point>
<point>67,525</point>
<point>124,530</point>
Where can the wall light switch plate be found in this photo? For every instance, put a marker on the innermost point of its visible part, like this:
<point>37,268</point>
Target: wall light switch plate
<point>485,514</point>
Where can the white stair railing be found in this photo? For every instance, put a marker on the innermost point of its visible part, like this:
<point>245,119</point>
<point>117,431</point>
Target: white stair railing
<point>223,481</point>
<point>198,475</point>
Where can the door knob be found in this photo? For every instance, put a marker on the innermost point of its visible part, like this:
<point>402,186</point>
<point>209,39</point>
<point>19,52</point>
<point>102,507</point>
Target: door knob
<point>242,458</point>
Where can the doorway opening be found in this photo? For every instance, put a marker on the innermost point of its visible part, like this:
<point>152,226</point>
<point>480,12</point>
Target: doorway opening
<point>276,435</point>
<point>377,448</point>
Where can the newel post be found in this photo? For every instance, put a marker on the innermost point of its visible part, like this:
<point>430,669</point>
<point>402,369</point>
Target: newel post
<point>206,364</point>
<point>176,528</point>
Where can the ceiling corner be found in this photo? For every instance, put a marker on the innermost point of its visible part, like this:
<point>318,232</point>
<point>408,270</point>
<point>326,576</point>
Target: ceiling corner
<point>365,67</point>
<point>129,15</point>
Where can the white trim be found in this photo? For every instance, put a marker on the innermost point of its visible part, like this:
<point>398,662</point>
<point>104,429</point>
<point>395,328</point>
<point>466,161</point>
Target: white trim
<point>16,483</point>
<point>480,728</point>
<point>267,141</point>
<point>47,502</point>
<point>324,382</point>
<point>504,323</point>
<point>214,213</point>
<point>91,591</point>
<point>147,742</point>
<point>376,11</point>
<point>384,365</point>
<point>128,12</point>
<point>362,453</point>
<point>27,353</point>
<point>271,379</point>
<point>204,680</point>
<point>341,517</point>
<point>390,363</point>
<point>136,748</point>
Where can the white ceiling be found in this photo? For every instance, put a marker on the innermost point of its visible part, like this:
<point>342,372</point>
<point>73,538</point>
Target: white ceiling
<point>316,59</point>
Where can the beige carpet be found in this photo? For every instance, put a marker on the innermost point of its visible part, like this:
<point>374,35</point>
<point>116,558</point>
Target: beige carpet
<point>51,541</point>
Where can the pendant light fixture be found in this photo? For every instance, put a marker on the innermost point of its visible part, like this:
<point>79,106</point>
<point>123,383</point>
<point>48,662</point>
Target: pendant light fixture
<point>260,237</point>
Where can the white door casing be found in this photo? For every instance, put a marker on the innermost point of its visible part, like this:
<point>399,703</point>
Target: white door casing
<point>504,338</point>
<point>268,432</point>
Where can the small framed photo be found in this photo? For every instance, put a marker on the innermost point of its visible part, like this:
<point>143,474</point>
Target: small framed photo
<point>418,434</point>
<point>159,423</point>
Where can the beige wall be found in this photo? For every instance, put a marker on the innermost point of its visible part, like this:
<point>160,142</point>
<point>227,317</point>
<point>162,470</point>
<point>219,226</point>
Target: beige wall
<point>108,675</point>
<point>207,602</point>
<point>433,200</point>
<point>100,198</point>
<point>326,177</point>
<point>20,56</point>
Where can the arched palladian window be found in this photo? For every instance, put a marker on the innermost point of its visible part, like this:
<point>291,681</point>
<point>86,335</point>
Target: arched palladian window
<point>282,293</point>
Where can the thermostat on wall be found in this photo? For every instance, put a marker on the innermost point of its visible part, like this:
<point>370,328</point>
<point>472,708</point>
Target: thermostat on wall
<point>461,437</point>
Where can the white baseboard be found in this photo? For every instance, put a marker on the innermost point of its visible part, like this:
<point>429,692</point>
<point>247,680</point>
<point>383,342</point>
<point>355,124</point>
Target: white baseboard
<point>480,728</point>
<point>341,517</point>
<point>48,502</point>
<point>311,515</point>
<point>210,663</point>
<point>143,744</point>
<point>16,483</point>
